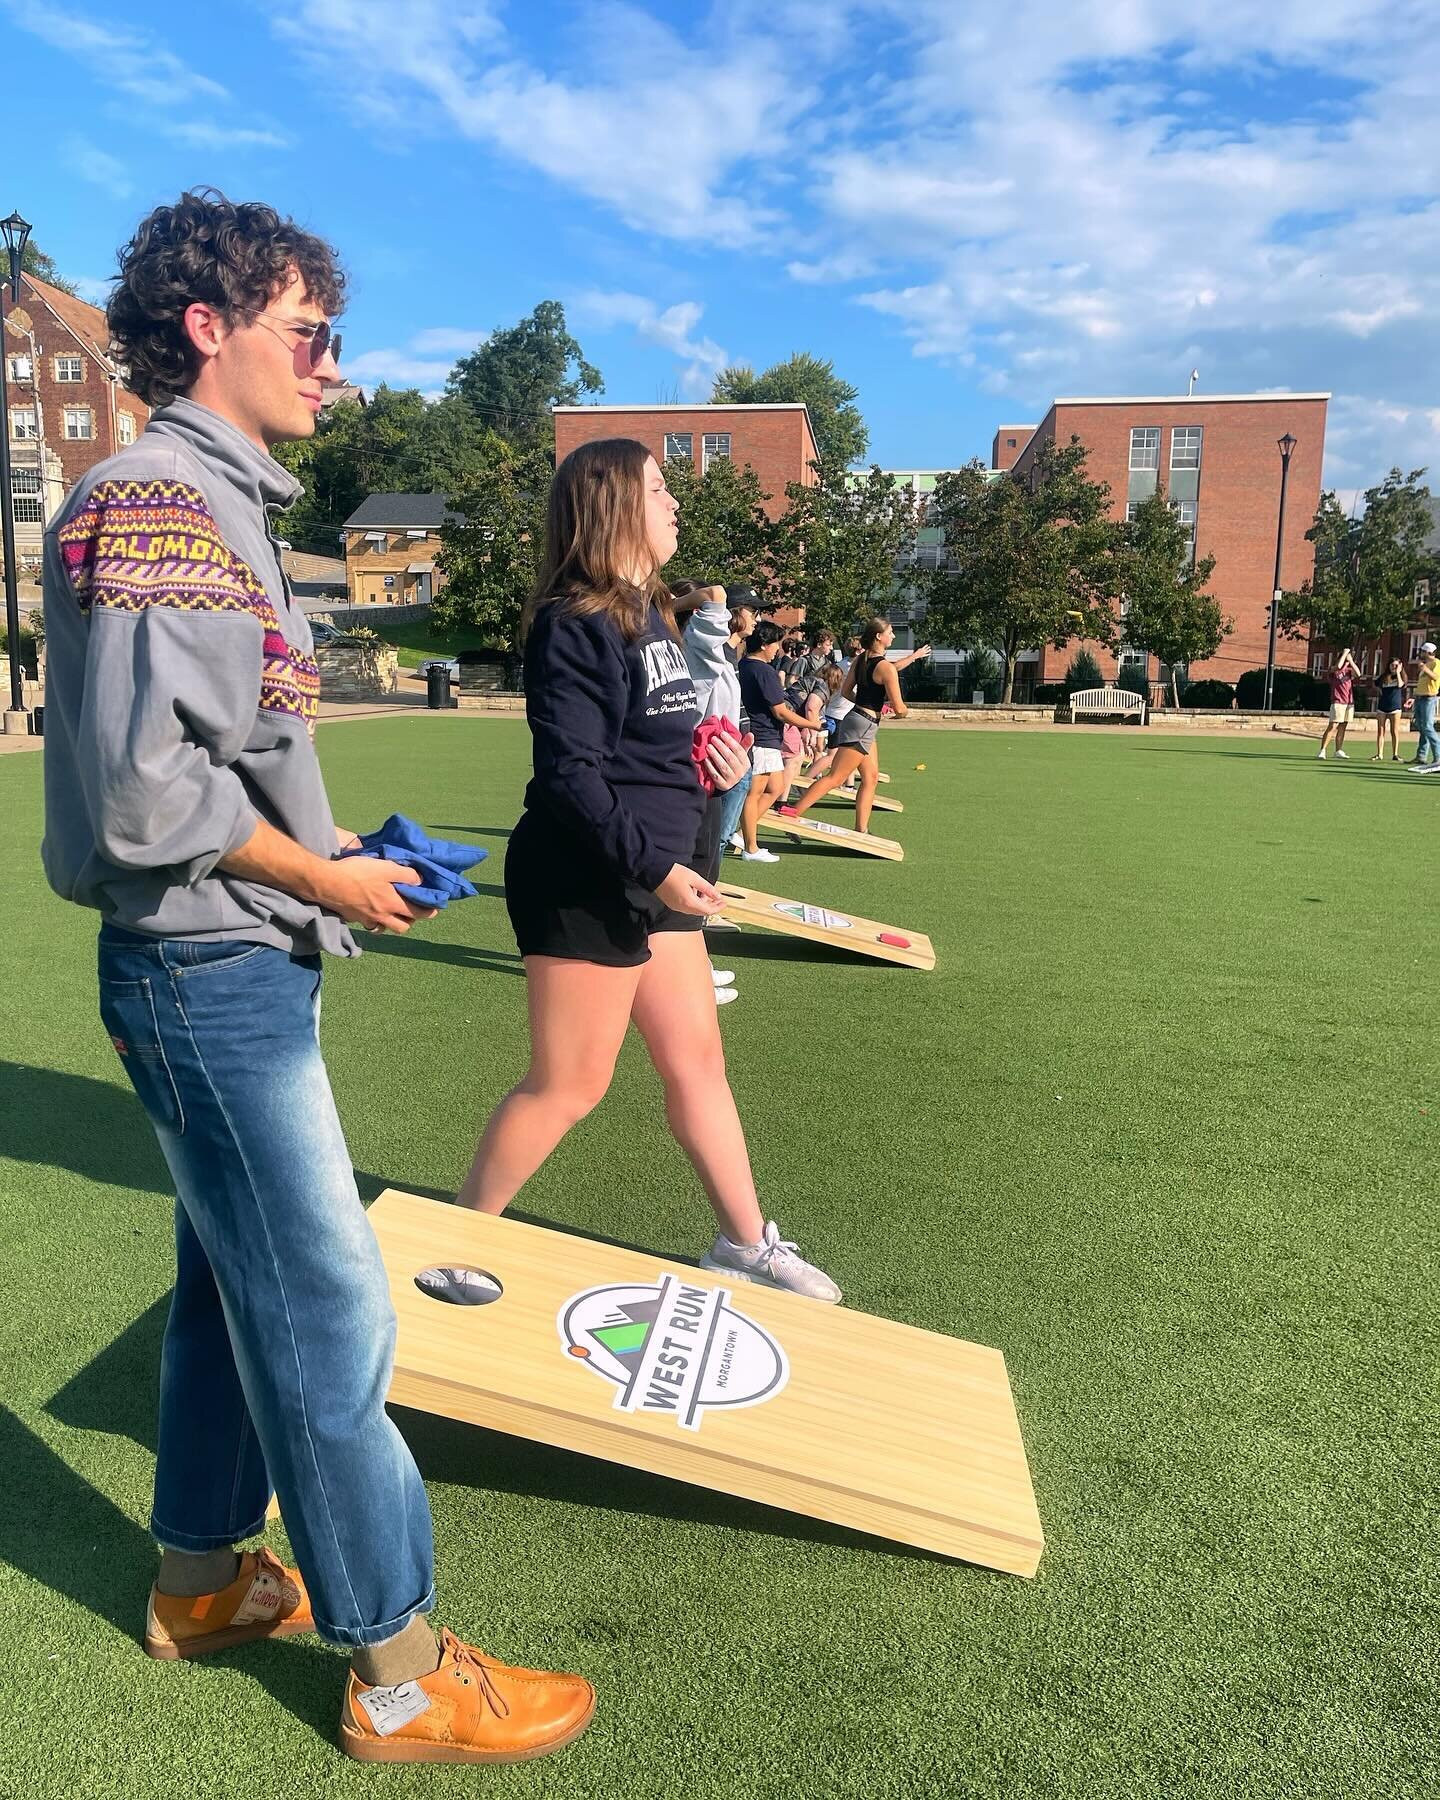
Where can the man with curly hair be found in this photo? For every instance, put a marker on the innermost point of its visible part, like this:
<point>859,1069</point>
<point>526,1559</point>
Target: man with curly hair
<point>185,804</point>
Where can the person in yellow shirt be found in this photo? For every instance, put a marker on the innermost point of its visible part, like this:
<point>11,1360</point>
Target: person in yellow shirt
<point>1427,686</point>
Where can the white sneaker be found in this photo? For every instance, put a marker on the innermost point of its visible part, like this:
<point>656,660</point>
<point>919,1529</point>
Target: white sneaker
<point>718,922</point>
<point>723,996</point>
<point>758,856</point>
<point>774,1262</point>
<point>1320,757</point>
<point>737,843</point>
<point>1343,755</point>
<point>722,977</point>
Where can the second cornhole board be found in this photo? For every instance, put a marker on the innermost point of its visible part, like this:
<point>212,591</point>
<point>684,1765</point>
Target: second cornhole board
<point>908,1434</point>
<point>818,831</point>
<point>847,795</point>
<point>847,931</point>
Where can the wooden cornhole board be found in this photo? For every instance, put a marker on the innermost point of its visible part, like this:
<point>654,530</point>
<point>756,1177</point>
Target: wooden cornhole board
<point>662,1366</point>
<point>881,802</point>
<point>847,931</point>
<point>819,831</point>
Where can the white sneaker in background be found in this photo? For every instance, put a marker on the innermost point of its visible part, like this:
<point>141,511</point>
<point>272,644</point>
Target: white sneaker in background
<point>718,922</point>
<point>736,842</point>
<point>758,856</point>
<point>722,977</point>
<point>774,1262</point>
<point>1344,755</point>
<point>723,996</point>
<point>1320,757</point>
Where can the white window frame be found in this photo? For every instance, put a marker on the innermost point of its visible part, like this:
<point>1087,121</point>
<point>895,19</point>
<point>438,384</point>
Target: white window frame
<point>1187,432</point>
<point>24,424</point>
<point>77,416</point>
<point>1146,439</point>
<point>28,496</point>
<point>125,426</point>
<point>21,368</point>
<point>679,446</point>
<point>711,451</point>
<point>1131,508</point>
<point>1417,638</point>
<point>66,363</point>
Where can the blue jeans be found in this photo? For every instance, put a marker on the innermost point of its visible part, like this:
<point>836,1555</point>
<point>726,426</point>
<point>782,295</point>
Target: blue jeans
<point>734,805</point>
<point>280,1341</point>
<point>1425,725</point>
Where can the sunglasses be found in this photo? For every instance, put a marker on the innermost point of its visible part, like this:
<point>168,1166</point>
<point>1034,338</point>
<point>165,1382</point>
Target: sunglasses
<point>314,341</point>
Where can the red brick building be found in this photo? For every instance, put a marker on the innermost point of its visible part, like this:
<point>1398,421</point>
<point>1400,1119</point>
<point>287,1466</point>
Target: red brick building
<point>777,442</point>
<point>1217,457</point>
<point>69,406</point>
<point>1009,445</point>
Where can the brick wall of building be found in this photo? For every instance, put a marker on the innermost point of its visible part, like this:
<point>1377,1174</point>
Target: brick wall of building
<point>775,441</point>
<point>1009,445</point>
<point>1237,505</point>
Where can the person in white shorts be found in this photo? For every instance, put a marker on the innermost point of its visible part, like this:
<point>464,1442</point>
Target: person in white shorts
<point>1342,703</point>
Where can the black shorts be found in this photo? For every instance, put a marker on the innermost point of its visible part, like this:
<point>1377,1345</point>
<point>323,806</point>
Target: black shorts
<point>563,903</point>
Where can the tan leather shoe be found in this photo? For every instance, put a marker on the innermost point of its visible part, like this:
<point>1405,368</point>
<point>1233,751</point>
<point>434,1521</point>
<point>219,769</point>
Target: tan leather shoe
<point>265,1600</point>
<point>471,1710</point>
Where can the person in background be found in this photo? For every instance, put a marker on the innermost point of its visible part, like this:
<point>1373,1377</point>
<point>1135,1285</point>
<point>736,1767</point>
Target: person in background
<point>1427,686</point>
<point>764,696</point>
<point>1390,705</point>
<point>743,603</point>
<point>1342,704</point>
<point>605,905</point>
<point>703,616</point>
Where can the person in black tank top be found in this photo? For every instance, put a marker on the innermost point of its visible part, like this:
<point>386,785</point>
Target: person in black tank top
<point>604,900</point>
<point>873,684</point>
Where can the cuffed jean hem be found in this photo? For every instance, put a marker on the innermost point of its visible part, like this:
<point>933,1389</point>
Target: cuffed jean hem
<point>361,1637</point>
<point>197,1546</point>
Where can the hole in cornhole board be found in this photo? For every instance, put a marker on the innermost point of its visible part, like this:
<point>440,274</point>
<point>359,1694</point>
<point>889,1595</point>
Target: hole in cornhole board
<point>457,1285</point>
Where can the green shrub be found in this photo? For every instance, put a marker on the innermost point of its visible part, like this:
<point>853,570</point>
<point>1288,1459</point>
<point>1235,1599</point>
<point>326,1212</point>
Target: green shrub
<point>1205,695</point>
<point>1084,672</point>
<point>1049,693</point>
<point>31,641</point>
<point>1134,681</point>
<point>1294,691</point>
<point>979,669</point>
<point>919,682</point>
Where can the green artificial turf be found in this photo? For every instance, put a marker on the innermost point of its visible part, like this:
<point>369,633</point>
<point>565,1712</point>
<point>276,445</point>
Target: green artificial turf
<point>1162,1126</point>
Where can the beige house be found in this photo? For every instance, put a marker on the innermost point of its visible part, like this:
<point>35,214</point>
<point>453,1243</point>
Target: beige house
<point>391,542</point>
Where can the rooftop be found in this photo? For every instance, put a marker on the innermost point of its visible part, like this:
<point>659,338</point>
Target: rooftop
<point>1169,400</point>
<point>401,512</point>
<point>695,406</point>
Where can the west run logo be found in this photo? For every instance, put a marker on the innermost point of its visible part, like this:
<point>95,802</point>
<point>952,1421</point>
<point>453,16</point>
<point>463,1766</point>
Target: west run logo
<point>812,915</point>
<point>672,1347</point>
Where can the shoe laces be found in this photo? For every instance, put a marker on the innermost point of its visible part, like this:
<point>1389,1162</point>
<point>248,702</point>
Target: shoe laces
<point>780,1247</point>
<point>471,1666</point>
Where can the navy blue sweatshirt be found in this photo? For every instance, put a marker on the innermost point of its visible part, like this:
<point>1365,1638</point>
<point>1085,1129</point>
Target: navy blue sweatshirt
<point>613,724</point>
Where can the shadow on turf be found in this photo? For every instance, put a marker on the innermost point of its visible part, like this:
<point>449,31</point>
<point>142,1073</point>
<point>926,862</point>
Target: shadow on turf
<point>39,1109</point>
<point>65,1534</point>
<point>478,830</point>
<point>463,956</point>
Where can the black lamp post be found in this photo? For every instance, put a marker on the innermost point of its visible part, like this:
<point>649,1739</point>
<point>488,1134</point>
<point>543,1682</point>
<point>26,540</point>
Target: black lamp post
<point>1287,450</point>
<point>15,232</point>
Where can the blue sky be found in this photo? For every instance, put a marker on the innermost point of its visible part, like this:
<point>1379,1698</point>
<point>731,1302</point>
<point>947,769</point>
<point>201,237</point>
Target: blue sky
<point>969,207</point>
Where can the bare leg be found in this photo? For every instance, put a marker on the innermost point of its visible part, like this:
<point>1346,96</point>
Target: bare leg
<point>1395,736</point>
<point>578,1014</point>
<point>1340,731</point>
<point>847,760</point>
<point>771,787</point>
<point>674,1011</point>
<point>1325,736</point>
<point>869,779</point>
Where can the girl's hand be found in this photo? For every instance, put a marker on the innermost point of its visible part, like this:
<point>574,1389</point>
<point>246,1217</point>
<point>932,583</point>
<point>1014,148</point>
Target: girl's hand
<point>684,891</point>
<point>727,759</point>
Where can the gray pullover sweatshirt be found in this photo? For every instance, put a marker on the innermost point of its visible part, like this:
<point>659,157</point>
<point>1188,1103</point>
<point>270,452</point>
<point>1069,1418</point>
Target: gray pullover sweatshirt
<point>181,691</point>
<point>717,686</point>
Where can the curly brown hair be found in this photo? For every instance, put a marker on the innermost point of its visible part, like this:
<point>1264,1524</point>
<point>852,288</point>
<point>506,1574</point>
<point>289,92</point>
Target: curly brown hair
<point>233,256</point>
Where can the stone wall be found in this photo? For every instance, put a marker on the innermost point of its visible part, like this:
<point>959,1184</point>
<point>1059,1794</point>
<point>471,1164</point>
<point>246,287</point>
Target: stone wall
<point>358,671</point>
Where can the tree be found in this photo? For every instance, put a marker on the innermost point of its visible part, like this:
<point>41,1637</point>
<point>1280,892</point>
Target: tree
<point>1166,609</point>
<point>1366,567</point>
<point>34,261</point>
<point>725,532</point>
<point>1029,560</point>
<point>491,556</point>
<point>513,379</point>
<point>840,434</point>
<point>836,546</point>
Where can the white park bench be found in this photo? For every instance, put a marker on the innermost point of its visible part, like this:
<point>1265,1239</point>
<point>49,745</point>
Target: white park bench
<point>1110,702</point>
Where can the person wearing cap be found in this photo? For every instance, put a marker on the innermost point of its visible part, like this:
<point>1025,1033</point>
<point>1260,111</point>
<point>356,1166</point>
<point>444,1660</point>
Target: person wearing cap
<point>1427,686</point>
<point>1342,704</point>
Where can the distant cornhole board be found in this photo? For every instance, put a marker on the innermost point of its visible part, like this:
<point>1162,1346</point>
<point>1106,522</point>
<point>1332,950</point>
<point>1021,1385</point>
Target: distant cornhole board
<point>819,831</point>
<point>881,802</point>
<point>821,1410</point>
<point>847,931</point>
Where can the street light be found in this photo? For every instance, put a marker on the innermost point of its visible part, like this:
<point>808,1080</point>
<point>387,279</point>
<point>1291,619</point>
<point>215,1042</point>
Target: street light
<point>15,231</point>
<point>1286,446</point>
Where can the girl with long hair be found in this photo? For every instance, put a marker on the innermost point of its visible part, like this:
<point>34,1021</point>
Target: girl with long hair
<point>603,899</point>
<point>1390,704</point>
<point>872,684</point>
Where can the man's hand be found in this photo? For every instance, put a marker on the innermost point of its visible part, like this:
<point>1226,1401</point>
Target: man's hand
<point>361,889</point>
<point>684,891</point>
<point>346,840</point>
<point>727,759</point>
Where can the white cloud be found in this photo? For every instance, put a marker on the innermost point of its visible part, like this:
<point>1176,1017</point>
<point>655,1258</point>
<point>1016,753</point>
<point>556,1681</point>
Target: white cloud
<point>671,328</point>
<point>399,368</point>
<point>96,166</point>
<point>446,340</point>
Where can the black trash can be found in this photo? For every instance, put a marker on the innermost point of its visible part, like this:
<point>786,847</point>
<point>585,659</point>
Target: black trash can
<point>437,688</point>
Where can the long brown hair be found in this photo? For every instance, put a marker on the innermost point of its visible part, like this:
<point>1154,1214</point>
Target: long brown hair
<point>870,632</point>
<point>594,535</point>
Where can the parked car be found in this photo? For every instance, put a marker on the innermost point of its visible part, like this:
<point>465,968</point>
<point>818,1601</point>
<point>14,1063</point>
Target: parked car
<point>448,663</point>
<point>323,631</point>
